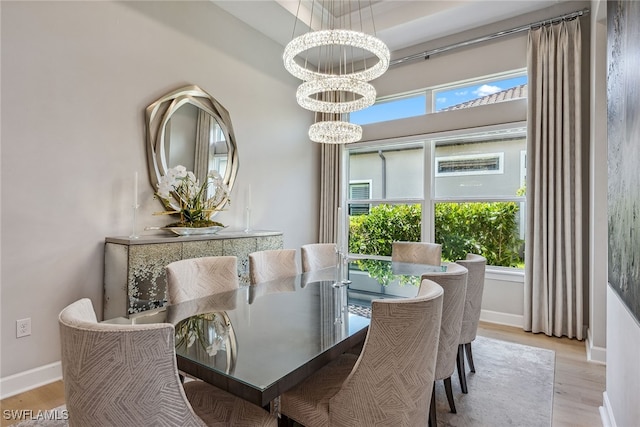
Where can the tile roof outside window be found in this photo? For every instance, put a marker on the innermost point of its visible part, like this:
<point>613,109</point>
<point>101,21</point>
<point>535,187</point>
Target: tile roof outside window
<point>504,95</point>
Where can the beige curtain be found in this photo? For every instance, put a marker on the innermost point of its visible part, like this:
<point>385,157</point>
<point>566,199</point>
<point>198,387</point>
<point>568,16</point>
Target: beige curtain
<point>203,138</point>
<point>329,192</point>
<point>554,241</point>
<point>330,160</point>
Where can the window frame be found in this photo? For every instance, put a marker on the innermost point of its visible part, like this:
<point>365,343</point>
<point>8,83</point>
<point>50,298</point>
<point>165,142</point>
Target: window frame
<point>429,199</point>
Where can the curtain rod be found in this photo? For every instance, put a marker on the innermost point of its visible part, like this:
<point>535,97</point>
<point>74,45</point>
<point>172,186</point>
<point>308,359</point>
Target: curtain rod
<point>426,54</point>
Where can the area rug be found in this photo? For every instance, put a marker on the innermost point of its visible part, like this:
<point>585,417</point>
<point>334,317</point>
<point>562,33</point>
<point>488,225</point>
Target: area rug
<point>512,386</point>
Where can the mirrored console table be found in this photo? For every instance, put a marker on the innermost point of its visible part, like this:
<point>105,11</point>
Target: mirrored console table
<point>134,269</point>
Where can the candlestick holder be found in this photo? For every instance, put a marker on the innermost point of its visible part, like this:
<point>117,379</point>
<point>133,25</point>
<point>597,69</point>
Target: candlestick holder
<point>134,232</point>
<point>342,276</point>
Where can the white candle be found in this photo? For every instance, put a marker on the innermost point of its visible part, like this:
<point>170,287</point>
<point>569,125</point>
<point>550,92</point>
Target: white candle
<point>135,190</point>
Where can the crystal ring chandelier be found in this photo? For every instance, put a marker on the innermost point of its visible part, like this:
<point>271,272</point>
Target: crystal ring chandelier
<point>343,38</point>
<point>335,132</point>
<point>365,91</point>
<point>336,64</point>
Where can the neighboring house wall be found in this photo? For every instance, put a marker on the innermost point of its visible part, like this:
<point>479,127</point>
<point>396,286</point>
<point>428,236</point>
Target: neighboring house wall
<point>403,181</point>
<point>507,182</point>
<point>76,79</point>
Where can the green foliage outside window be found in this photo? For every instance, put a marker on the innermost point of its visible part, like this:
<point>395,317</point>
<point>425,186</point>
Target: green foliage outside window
<point>489,229</point>
<point>372,234</point>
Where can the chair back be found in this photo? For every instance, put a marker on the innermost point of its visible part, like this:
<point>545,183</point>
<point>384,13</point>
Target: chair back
<point>316,256</point>
<point>199,277</point>
<point>476,265</point>
<point>120,374</point>
<point>454,284</point>
<point>268,265</point>
<point>392,381</point>
<point>417,252</point>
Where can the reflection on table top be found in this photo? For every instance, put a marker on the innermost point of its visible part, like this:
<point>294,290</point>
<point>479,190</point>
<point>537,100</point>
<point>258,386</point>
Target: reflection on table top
<point>259,341</point>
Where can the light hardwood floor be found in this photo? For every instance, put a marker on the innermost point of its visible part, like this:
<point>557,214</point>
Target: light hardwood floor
<point>578,384</point>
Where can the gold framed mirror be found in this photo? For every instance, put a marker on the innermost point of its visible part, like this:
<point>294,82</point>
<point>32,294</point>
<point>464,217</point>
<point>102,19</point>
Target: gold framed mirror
<point>189,127</point>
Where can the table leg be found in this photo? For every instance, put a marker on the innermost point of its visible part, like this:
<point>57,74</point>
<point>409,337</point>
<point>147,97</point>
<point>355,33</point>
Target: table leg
<point>275,407</point>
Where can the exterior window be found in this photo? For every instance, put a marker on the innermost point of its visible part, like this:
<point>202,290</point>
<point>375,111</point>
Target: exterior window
<point>469,164</point>
<point>461,188</point>
<point>359,191</point>
<point>480,92</point>
<point>452,96</point>
<point>392,109</point>
<point>392,178</point>
<point>472,200</point>
<point>481,211</point>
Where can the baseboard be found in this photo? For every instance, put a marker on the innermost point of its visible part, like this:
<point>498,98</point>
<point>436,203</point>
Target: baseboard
<point>28,380</point>
<point>502,318</point>
<point>606,414</point>
<point>595,354</point>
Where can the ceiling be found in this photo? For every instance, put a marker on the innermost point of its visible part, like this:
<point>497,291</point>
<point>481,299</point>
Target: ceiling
<point>398,23</point>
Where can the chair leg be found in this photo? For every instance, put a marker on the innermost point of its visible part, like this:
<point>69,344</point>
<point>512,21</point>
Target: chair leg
<point>467,348</point>
<point>285,421</point>
<point>433,422</point>
<point>462,376</point>
<point>449,391</point>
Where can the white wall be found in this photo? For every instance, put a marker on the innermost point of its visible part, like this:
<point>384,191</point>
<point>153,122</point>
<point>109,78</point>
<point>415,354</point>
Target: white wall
<point>597,336</point>
<point>76,78</point>
<point>502,299</point>
<point>623,370</point>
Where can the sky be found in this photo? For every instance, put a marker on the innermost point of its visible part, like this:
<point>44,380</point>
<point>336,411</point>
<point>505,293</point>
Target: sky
<point>416,105</point>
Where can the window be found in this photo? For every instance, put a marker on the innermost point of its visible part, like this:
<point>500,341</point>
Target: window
<point>392,109</point>
<point>481,210</point>
<point>471,200</point>
<point>359,191</point>
<point>452,96</point>
<point>473,164</point>
<point>461,188</point>
<point>391,177</point>
<point>480,92</point>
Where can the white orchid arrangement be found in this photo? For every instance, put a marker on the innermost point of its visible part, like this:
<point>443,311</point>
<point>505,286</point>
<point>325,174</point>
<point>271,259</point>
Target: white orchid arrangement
<point>196,201</point>
<point>210,331</point>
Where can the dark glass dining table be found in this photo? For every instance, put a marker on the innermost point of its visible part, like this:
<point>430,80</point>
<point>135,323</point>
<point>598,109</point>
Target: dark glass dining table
<point>258,341</point>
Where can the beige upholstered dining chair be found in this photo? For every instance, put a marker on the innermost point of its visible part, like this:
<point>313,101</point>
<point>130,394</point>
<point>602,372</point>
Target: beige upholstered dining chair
<point>127,375</point>
<point>417,252</point>
<point>454,284</point>
<point>316,256</point>
<point>390,383</point>
<point>476,265</point>
<point>199,277</point>
<point>270,265</point>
